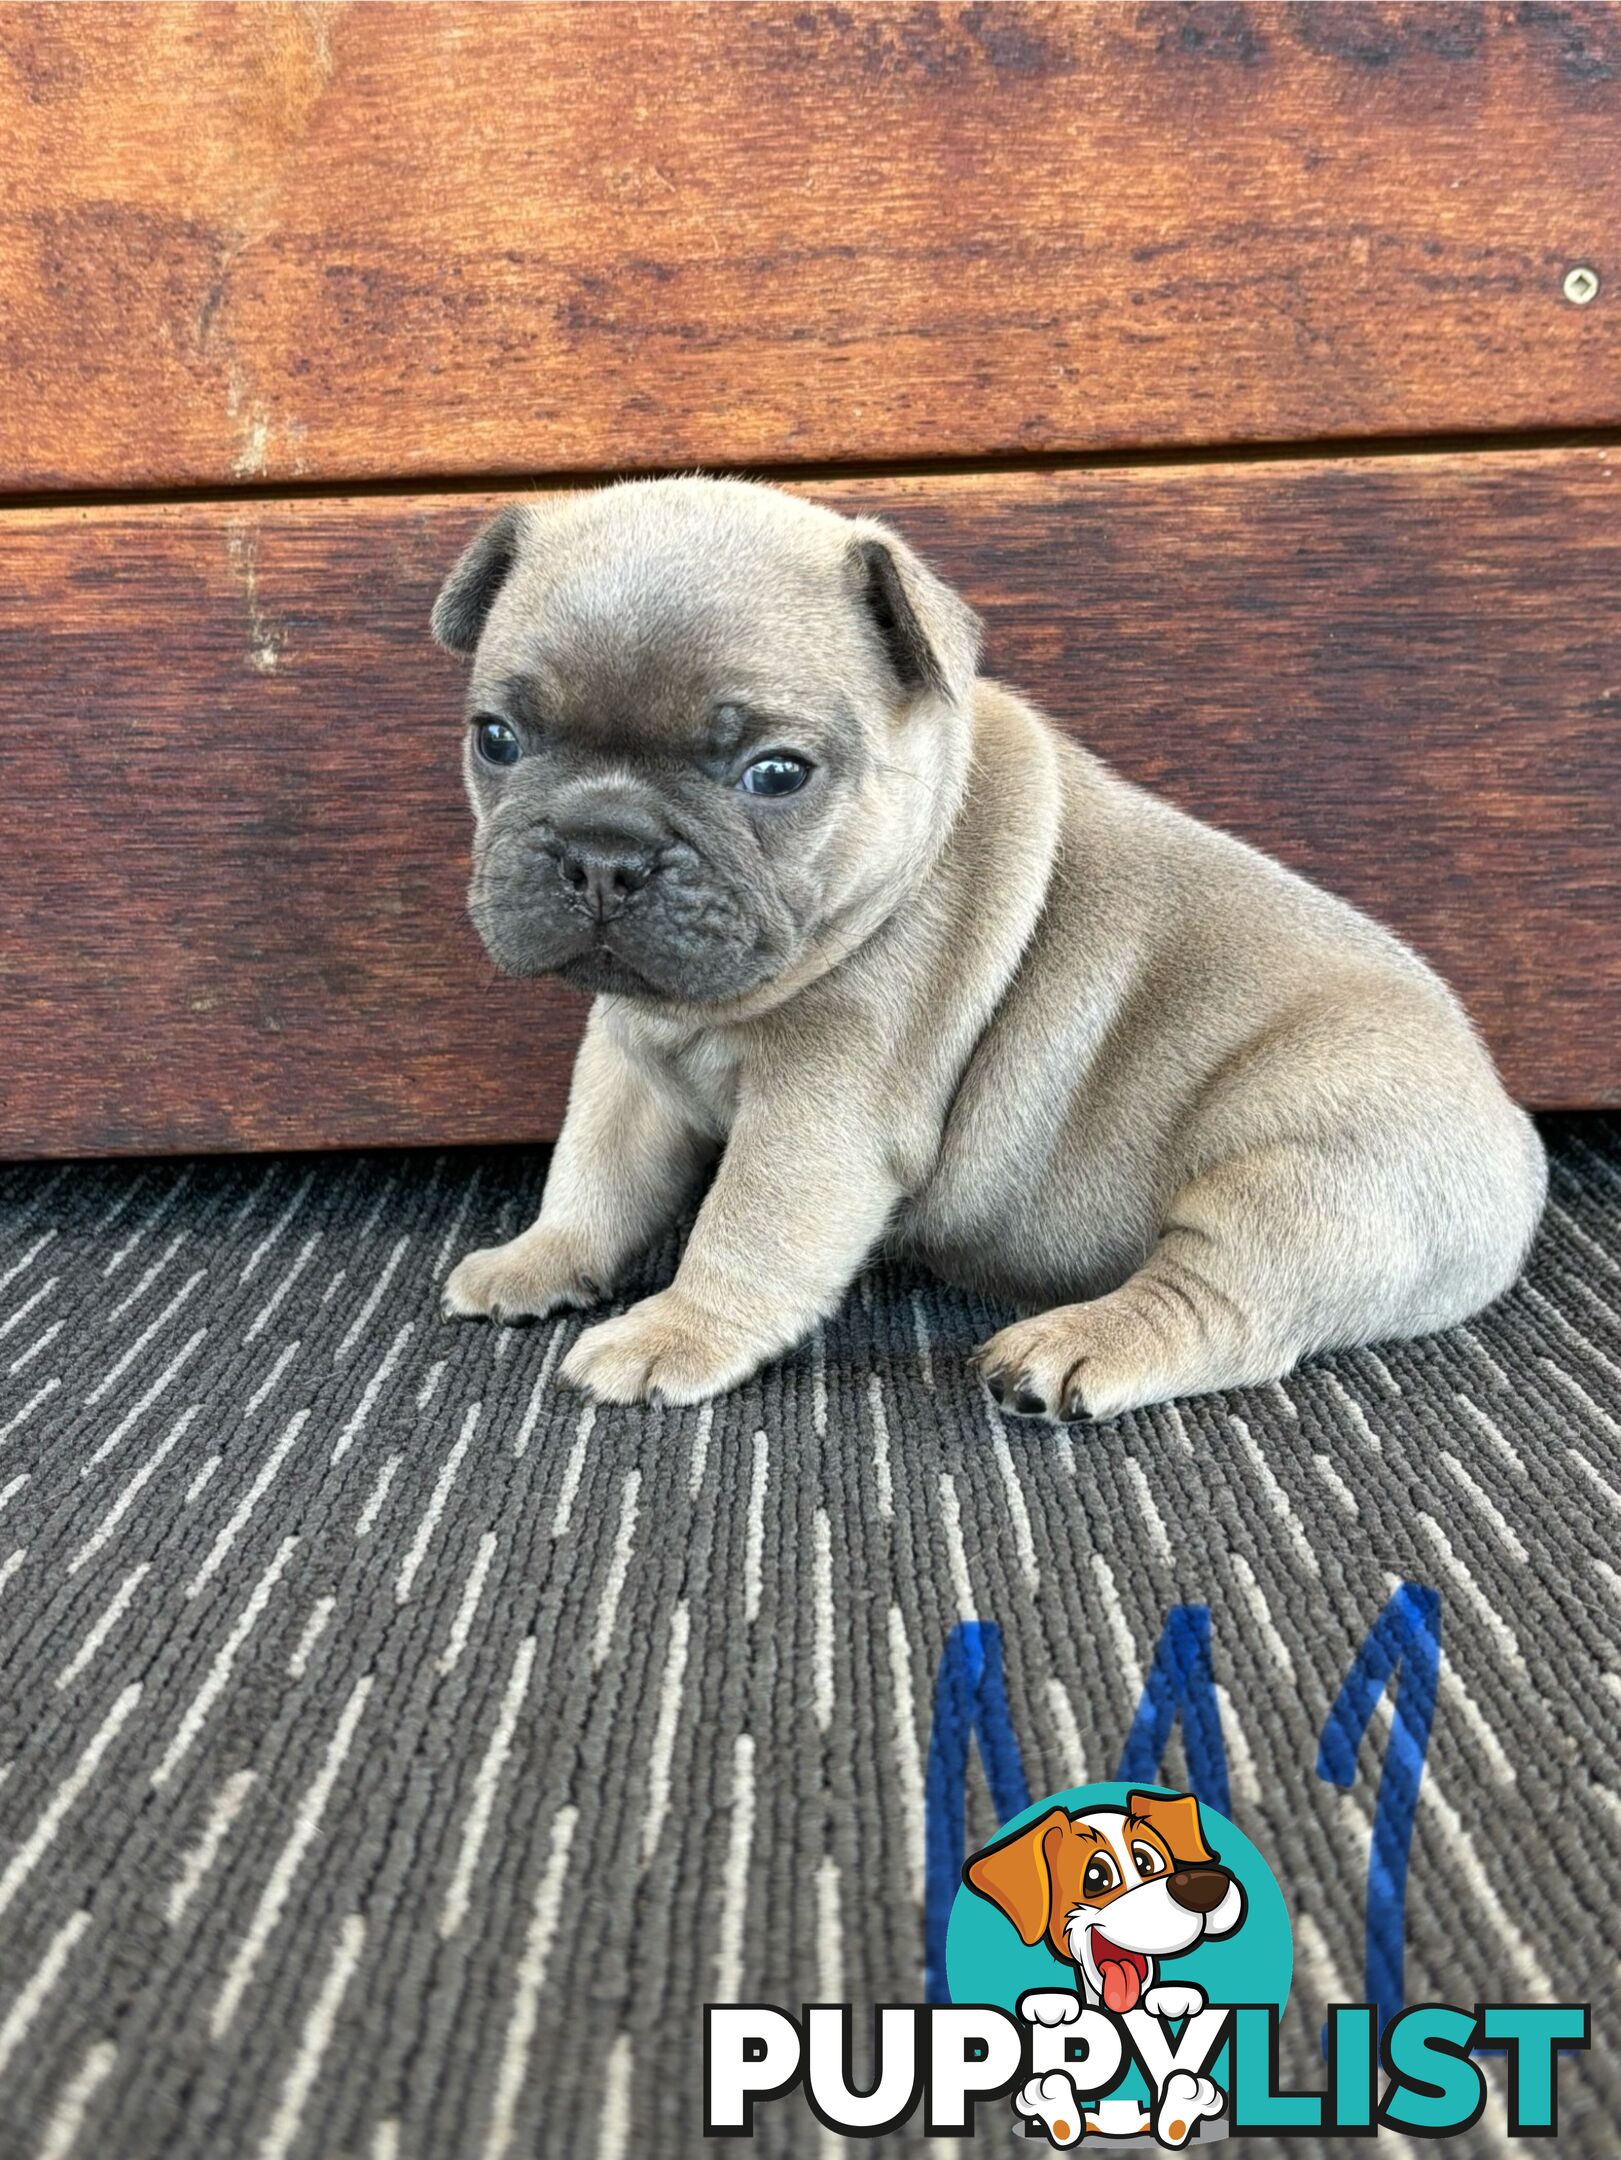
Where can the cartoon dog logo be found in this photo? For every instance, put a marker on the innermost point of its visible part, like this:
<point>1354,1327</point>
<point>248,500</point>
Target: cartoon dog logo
<point>1114,1891</point>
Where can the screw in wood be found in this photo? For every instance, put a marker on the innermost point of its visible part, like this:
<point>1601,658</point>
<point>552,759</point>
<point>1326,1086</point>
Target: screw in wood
<point>1581,284</point>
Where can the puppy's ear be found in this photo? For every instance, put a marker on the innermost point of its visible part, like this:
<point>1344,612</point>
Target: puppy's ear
<point>930,637</point>
<point>1017,1875</point>
<point>1177,1821</point>
<point>468,593</point>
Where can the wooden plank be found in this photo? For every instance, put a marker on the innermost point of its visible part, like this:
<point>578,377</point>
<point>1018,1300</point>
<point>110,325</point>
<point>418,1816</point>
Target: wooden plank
<point>323,243</point>
<point>235,841</point>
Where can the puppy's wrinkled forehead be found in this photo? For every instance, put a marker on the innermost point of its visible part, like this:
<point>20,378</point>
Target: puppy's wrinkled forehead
<point>643,602</point>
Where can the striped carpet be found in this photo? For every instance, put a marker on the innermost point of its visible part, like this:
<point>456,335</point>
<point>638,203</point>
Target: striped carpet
<point>397,1754</point>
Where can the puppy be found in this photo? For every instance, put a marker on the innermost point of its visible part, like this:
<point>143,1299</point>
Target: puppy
<point>1113,1892</point>
<point>888,960</point>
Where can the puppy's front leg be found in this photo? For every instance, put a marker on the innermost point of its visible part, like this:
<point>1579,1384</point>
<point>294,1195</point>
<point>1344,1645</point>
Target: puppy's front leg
<point>792,1214</point>
<point>625,1163</point>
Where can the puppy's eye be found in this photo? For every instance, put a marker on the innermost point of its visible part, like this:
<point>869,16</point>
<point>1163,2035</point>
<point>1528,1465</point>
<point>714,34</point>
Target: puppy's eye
<point>496,742</point>
<point>1149,1862</point>
<point>1099,1877</point>
<point>778,774</point>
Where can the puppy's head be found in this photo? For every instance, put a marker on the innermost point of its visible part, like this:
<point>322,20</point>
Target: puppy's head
<point>713,731</point>
<point>1112,1890</point>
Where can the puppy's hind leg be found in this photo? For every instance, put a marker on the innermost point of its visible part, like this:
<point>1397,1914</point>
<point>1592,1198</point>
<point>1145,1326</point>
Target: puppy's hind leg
<point>1231,1295</point>
<point>1168,1330</point>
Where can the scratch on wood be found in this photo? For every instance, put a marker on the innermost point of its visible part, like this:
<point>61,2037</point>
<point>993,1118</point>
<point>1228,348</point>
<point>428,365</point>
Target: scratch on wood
<point>265,639</point>
<point>252,421</point>
<point>288,65</point>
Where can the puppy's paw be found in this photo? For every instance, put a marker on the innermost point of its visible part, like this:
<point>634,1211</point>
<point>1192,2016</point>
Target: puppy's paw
<point>1049,2006</point>
<point>525,1280</point>
<point>1090,1361</point>
<point>1053,2102</point>
<point>663,1349</point>
<point>1184,2102</point>
<point>1174,1999</point>
<point>1037,1368</point>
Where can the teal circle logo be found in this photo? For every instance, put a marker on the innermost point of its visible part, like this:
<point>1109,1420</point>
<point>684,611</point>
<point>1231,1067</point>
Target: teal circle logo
<point>1127,1896</point>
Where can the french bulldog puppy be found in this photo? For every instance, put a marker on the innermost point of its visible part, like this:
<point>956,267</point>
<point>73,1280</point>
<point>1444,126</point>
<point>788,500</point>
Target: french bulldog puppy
<point>901,966</point>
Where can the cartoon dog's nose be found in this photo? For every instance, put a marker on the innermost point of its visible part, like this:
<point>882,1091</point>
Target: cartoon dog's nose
<point>1199,1889</point>
<point>603,869</point>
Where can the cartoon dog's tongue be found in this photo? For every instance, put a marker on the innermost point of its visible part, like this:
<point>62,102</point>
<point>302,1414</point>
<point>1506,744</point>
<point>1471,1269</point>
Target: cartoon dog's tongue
<point>1121,1986</point>
<point>1121,1971</point>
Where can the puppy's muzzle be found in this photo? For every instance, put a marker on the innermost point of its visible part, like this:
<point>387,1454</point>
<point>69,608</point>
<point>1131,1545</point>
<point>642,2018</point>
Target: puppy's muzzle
<point>602,868</point>
<point>1199,1890</point>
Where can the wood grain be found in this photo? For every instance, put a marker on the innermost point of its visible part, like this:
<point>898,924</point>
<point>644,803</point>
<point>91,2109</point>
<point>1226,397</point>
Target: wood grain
<point>322,243</point>
<point>235,842</point>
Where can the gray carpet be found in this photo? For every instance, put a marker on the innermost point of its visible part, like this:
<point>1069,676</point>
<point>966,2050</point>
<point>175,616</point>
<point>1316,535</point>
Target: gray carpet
<point>396,1754</point>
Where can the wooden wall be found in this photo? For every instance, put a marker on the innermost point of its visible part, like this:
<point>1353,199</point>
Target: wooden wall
<point>1222,354</point>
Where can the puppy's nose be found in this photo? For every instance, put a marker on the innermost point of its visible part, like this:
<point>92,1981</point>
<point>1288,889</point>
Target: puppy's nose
<point>603,869</point>
<point>1199,1889</point>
